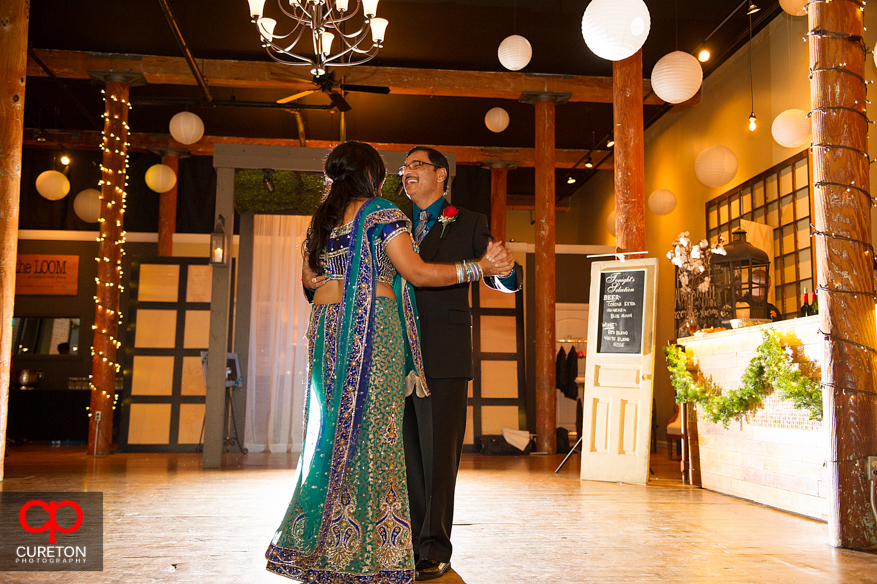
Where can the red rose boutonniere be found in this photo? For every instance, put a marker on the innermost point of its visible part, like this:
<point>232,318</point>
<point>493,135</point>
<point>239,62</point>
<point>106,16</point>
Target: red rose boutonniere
<point>449,215</point>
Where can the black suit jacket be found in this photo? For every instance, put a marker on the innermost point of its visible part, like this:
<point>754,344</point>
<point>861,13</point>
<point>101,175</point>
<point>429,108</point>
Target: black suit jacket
<point>445,317</point>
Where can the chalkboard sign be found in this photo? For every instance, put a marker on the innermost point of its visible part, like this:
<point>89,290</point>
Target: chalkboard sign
<point>622,299</point>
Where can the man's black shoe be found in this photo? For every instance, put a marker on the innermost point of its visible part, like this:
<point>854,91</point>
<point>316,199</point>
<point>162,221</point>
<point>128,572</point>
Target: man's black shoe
<point>427,569</point>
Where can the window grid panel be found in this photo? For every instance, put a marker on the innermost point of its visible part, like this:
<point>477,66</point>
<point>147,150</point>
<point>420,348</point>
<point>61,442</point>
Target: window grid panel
<point>779,197</point>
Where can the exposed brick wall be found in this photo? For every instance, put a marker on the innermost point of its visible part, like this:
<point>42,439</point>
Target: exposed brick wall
<point>775,455</point>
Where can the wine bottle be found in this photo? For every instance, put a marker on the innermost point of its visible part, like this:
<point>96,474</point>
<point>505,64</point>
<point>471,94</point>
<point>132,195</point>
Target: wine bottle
<point>805,307</point>
<point>814,306</point>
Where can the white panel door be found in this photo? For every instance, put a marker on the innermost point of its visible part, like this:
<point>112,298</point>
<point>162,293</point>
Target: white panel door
<point>618,371</point>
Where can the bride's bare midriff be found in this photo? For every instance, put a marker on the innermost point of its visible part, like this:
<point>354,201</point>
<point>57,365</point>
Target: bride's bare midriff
<point>332,292</point>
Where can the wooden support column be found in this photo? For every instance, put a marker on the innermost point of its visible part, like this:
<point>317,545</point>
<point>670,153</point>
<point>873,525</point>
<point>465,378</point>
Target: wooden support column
<point>844,263</point>
<point>499,180</point>
<point>546,408</point>
<point>13,68</point>
<point>630,177</point>
<point>220,301</point>
<point>109,264</point>
<point>167,211</point>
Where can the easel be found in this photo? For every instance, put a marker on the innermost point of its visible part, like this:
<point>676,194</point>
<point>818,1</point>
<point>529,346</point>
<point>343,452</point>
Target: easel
<point>231,383</point>
<point>568,454</point>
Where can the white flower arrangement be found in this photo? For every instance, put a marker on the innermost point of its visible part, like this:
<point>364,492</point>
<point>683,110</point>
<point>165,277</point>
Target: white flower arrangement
<point>693,261</point>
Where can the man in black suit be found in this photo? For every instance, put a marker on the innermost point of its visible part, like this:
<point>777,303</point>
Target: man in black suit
<point>434,426</point>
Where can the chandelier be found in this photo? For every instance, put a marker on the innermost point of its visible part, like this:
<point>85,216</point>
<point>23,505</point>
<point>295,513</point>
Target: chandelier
<point>325,19</point>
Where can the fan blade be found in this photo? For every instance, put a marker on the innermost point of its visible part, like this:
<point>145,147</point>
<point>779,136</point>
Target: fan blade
<point>296,96</point>
<point>366,88</point>
<point>339,101</point>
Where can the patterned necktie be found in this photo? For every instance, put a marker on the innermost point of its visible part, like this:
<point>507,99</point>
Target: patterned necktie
<point>420,230</point>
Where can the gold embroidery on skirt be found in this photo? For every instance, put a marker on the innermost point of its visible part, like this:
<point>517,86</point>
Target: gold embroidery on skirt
<point>394,533</point>
<point>345,534</point>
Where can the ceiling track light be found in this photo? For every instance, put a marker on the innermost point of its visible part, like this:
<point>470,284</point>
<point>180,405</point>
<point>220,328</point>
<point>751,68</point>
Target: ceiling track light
<point>752,9</point>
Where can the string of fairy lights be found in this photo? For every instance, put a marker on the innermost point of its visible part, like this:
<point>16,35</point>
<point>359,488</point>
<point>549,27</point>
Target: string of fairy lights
<point>830,237</point>
<point>111,288</point>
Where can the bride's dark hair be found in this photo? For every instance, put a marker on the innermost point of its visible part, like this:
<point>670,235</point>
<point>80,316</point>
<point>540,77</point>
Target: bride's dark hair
<point>356,171</point>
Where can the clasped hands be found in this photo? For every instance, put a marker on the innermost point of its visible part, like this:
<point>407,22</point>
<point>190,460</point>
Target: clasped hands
<point>497,260</point>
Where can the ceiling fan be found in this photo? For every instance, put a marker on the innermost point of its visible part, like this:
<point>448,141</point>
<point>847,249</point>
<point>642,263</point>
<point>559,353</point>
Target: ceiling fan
<point>327,84</point>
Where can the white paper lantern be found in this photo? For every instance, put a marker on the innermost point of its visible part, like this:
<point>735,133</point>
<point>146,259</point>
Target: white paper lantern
<point>186,128</point>
<point>514,52</point>
<point>496,120</point>
<point>662,202</point>
<point>792,128</point>
<point>676,77</point>
<point>794,7</point>
<point>615,29</point>
<point>160,178</point>
<point>86,205</point>
<point>610,223</point>
<point>715,166</point>
<point>53,185</point>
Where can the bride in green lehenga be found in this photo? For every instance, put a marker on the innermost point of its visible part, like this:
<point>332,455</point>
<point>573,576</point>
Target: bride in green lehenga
<point>348,521</point>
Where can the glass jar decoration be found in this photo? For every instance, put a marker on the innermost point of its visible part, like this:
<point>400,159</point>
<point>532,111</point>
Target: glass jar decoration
<point>741,279</point>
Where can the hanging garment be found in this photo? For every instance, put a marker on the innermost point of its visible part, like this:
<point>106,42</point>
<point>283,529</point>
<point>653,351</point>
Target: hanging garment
<point>571,364</point>
<point>560,379</point>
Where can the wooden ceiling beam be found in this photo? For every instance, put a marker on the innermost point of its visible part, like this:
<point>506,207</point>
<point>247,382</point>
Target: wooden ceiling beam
<point>401,81</point>
<point>468,155</point>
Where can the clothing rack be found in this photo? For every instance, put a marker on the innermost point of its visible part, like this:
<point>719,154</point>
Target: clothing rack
<point>571,341</point>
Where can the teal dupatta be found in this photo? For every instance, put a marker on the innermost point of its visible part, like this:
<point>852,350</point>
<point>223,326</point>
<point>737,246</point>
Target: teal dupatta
<point>337,394</point>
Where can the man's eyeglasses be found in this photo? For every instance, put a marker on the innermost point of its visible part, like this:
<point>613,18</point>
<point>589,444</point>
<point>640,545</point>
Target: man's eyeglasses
<point>414,165</point>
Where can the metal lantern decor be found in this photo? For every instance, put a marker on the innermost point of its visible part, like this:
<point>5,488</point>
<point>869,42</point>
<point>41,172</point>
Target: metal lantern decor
<point>218,244</point>
<point>677,77</point>
<point>496,120</point>
<point>741,280</point>
<point>514,52</point>
<point>715,166</point>
<point>616,29</point>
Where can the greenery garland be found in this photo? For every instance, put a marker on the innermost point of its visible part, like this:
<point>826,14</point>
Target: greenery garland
<point>772,367</point>
<point>296,192</point>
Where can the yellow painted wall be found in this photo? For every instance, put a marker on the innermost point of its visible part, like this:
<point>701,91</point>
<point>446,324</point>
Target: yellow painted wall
<point>780,82</point>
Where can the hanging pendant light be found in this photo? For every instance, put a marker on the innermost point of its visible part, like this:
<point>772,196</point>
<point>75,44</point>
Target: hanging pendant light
<point>160,178</point>
<point>496,120</point>
<point>86,205</point>
<point>615,29</point>
<point>186,128</point>
<point>715,166</point>
<point>677,77</point>
<point>662,202</point>
<point>53,185</point>
<point>514,52</point>
<point>792,128</point>
<point>795,7</point>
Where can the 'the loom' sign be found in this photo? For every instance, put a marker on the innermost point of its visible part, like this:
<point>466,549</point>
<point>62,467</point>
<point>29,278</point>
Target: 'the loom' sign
<point>56,275</point>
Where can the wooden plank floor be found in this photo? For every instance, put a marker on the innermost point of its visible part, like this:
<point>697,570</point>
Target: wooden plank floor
<point>516,521</point>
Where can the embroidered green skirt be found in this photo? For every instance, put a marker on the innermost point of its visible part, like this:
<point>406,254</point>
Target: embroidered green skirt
<point>351,524</point>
